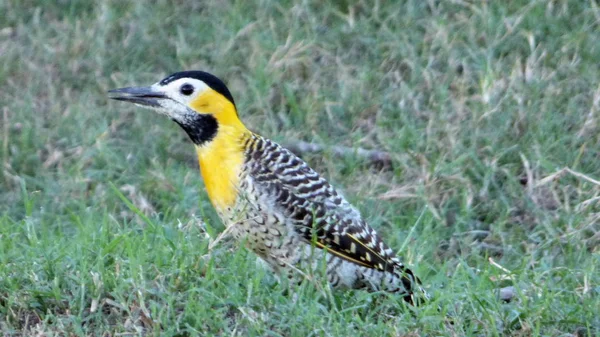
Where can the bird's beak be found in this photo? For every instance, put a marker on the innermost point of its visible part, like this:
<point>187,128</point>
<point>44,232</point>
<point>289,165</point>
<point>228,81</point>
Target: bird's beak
<point>146,96</point>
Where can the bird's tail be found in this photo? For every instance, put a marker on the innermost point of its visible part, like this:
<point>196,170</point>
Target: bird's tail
<point>414,292</point>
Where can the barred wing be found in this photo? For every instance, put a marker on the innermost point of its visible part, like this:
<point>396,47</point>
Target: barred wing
<point>319,213</point>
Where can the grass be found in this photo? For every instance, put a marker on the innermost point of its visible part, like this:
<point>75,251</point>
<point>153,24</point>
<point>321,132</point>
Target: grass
<point>105,226</point>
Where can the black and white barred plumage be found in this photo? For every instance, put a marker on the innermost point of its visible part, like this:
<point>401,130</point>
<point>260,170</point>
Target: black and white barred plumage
<point>268,197</point>
<point>285,210</point>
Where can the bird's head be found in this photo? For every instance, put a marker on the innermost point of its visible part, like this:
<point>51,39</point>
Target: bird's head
<point>196,100</point>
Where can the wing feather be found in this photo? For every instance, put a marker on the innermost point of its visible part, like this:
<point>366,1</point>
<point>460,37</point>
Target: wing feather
<point>319,213</point>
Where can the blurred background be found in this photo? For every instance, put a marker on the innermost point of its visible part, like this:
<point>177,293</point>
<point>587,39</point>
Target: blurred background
<point>481,105</point>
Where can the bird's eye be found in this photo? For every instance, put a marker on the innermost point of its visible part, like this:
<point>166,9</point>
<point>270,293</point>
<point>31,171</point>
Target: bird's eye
<point>187,89</point>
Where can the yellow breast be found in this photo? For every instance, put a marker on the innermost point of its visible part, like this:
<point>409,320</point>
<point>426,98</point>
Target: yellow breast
<point>221,162</point>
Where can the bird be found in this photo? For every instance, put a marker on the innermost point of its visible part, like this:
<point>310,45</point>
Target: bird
<point>269,199</point>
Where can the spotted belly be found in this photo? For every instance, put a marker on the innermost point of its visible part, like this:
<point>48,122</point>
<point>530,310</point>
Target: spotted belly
<point>291,257</point>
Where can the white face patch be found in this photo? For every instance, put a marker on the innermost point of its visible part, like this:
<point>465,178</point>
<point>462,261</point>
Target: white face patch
<point>177,105</point>
<point>173,89</point>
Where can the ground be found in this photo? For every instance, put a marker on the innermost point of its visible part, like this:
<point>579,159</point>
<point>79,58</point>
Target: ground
<point>490,111</point>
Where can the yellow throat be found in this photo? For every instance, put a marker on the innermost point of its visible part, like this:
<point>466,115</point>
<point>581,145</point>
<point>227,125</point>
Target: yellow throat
<point>222,157</point>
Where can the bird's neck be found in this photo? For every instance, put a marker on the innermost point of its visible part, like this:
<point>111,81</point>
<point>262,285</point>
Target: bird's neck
<point>221,160</point>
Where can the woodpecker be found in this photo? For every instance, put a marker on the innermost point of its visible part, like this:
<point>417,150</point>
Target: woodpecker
<point>270,199</point>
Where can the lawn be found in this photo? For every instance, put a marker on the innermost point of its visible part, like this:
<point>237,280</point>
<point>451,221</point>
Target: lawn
<point>490,111</point>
